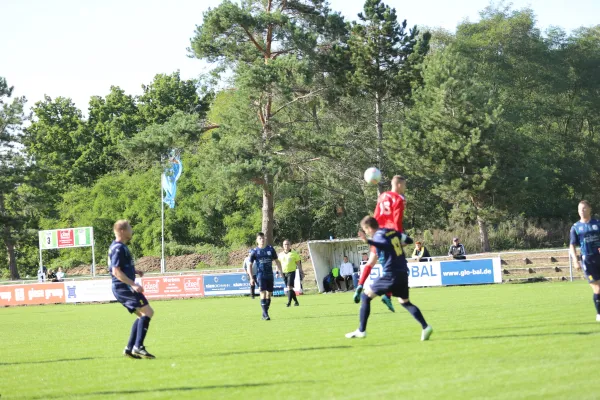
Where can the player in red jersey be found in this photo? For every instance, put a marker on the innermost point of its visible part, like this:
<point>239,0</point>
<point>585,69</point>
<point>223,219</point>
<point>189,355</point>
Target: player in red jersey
<point>389,213</point>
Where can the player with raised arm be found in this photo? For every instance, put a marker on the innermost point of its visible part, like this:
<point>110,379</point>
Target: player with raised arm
<point>388,245</point>
<point>127,292</point>
<point>389,213</point>
<point>264,255</point>
<point>586,234</point>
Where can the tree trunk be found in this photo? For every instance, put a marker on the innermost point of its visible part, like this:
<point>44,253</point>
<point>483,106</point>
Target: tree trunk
<point>379,127</point>
<point>9,244</point>
<point>267,209</point>
<point>483,235</point>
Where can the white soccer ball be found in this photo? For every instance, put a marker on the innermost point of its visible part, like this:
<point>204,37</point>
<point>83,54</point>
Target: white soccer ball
<point>372,175</point>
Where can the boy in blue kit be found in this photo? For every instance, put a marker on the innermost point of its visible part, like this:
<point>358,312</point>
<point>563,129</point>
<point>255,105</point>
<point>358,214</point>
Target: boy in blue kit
<point>127,292</point>
<point>264,255</point>
<point>390,254</point>
<point>586,234</point>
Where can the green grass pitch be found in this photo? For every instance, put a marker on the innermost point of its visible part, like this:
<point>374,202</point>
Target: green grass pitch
<point>515,341</point>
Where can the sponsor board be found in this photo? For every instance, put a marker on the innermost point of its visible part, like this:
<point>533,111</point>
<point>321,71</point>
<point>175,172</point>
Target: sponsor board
<point>89,291</point>
<point>173,286</point>
<point>37,293</point>
<point>65,238</point>
<point>235,284</point>
<point>469,272</point>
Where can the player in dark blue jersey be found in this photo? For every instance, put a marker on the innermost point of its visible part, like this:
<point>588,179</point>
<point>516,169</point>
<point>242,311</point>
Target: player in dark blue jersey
<point>127,292</point>
<point>264,255</point>
<point>392,258</point>
<point>586,235</point>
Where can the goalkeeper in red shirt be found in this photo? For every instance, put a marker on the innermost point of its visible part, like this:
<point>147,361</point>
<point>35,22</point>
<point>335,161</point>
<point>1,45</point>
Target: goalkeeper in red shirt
<point>389,213</point>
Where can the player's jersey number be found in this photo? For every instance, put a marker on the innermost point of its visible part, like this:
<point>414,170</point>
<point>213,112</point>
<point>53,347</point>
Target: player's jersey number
<point>397,245</point>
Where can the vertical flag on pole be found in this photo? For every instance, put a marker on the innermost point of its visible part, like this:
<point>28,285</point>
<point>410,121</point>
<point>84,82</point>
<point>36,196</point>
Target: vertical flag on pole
<point>169,179</point>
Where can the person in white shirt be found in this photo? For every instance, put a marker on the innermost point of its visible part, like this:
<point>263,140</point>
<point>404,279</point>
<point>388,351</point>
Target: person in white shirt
<point>251,274</point>
<point>346,271</point>
<point>60,275</point>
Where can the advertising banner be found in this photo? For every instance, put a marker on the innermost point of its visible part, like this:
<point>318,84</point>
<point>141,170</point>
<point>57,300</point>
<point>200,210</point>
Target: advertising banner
<point>173,286</point>
<point>89,291</point>
<point>235,284</point>
<point>468,272</point>
<point>38,293</point>
<point>65,238</point>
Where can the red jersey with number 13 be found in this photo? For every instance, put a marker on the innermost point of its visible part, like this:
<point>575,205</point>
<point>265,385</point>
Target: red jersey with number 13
<point>389,211</point>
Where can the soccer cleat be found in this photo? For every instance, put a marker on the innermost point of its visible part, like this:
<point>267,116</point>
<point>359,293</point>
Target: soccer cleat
<point>142,353</point>
<point>288,304</point>
<point>426,333</point>
<point>266,317</point>
<point>388,302</point>
<point>598,317</point>
<point>127,353</point>
<point>296,304</point>
<point>356,334</point>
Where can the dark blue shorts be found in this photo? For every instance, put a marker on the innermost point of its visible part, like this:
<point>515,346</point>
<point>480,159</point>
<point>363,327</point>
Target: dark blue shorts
<point>397,284</point>
<point>289,278</point>
<point>266,283</point>
<point>591,267</point>
<point>131,300</point>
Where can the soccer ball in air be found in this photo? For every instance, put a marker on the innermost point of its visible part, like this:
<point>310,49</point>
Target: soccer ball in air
<point>372,175</point>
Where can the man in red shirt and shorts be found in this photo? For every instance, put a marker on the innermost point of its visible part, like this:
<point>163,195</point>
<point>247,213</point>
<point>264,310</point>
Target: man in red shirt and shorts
<point>389,213</point>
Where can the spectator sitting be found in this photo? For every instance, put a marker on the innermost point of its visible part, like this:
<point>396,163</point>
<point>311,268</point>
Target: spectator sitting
<point>420,253</point>
<point>337,278</point>
<point>346,271</point>
<point>457,250</point>
<point>60,275</point>
<point>52,276</point>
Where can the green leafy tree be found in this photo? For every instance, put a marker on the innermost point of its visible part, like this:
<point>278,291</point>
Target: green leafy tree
<point>385,60</point>
<point>13,172</point>
<point>278,52</point>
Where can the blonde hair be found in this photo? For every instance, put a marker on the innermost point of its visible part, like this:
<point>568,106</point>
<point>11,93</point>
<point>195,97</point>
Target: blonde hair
<point>120,225</point>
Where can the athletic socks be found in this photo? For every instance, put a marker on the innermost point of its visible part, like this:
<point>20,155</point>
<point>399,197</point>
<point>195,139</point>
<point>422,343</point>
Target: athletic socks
<point>142,329</point>
<point>365,311</point>
<point>263,305</point>
<point>268,304</point>
<point>290,291</point>
<point>597,303</point>
<point>252,290</point>
<point>414,310</point>
<point>133,334</point>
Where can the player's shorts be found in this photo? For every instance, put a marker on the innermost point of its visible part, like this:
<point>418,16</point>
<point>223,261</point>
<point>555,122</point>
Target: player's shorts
<point>130,299</point>
<point>289,278</point>
<point>397,284</point>
<point>591,267</point>
<point>266,283</point>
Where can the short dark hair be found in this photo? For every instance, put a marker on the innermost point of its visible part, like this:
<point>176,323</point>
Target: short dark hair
<point>260,234</point>
<point>587,203</point>
<point>370,222</point>
<point>398,178</point>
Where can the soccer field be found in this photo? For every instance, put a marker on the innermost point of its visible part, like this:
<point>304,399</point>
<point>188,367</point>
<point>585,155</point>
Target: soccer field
<point>518,341</point>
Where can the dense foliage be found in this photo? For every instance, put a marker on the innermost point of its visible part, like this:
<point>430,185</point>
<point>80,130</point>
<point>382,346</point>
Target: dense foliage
<point>495,127</point>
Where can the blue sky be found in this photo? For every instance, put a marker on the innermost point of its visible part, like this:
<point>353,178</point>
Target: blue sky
<point>79,48</point>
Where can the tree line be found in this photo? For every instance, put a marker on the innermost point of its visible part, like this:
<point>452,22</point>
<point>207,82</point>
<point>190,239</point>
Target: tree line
<point>494,123</point>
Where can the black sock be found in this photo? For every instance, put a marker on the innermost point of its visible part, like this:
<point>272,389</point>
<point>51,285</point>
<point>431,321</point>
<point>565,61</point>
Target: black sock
<point>252,290</point>
<point>294,296</point>
<point>365,311</point>
<point>290,296</point>
<point>268,303</point>
<point>143,325</point>
<point>414,310</point>
<point>133,334</point>
<point>597,303</point>
<point>263,305</point>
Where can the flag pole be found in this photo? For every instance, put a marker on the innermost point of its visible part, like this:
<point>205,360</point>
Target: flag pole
<point>162,222</point>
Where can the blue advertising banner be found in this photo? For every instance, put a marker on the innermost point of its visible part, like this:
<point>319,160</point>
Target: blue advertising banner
<point>467,272</point>
<point>234,284</point>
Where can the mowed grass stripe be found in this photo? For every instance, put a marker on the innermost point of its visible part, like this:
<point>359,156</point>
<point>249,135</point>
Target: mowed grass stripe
<point>516,341</point>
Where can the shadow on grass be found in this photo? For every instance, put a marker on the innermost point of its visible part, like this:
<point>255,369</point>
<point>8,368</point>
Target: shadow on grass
<point>126,392</point>
<point>235,353</point>
<point>524,335</point>
<point>49,361</point>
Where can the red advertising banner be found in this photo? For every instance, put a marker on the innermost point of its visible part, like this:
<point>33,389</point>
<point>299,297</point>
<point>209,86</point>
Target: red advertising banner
<point>173,286</point>
<point>37,293</point>
<point>65,238</point>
